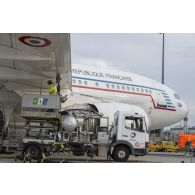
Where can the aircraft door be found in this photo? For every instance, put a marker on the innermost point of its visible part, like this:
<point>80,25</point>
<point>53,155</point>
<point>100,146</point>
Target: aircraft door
<point>160,100</point>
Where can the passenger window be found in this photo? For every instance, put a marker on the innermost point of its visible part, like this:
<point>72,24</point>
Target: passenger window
<point>85,82</point>
<point>146,91</point>
<point>142,90</point>
<point>137,89</point>
<point>74,81</point>
<point>96,84</point>
<point>134,123</point>
<point>123,88</point>
<point>113,86</point>
<point>80,82</point>
<point>133,89</point>
<point>128,89</point>
<point>118,87</point>
<point>107,85</point>
<point>150,91</point>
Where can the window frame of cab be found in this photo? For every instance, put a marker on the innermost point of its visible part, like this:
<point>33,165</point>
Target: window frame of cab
<point>141,124</point>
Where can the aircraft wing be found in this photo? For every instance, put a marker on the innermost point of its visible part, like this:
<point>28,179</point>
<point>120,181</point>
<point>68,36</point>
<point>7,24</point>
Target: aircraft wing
<point>28,61</point>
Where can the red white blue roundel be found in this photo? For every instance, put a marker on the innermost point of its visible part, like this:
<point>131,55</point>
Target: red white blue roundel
<point>35,41</point>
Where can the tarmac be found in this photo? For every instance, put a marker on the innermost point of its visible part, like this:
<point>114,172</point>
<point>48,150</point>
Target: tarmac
<point>152,157</point>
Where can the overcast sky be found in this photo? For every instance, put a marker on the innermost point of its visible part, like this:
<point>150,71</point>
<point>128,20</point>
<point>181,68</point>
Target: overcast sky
<point>142,54</point>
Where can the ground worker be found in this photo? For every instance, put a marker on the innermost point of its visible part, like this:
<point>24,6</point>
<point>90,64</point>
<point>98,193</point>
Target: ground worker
<point>52,88</point>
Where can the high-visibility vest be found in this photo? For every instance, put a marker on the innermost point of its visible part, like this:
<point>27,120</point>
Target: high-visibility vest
<point>52,89</point>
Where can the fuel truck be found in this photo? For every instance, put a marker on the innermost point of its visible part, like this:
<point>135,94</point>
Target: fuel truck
<point>110,130</point>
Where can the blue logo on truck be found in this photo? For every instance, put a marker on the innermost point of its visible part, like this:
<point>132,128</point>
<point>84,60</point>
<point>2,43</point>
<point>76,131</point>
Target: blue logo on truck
<point>133,135</point>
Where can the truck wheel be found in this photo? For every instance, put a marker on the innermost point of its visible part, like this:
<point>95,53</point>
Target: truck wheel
<point>120,153</point>
<point>34,151</point>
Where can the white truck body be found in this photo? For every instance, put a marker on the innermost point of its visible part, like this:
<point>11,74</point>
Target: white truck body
<point>84,129</point>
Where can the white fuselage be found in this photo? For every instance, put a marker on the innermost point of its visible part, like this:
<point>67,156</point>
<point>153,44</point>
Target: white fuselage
<point>162,105</point>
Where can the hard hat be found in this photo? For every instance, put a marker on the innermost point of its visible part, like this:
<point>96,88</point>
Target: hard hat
<point>49,82</point>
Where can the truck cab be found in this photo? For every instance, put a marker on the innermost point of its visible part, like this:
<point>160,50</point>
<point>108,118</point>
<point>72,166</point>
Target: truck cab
<point>130,135</point>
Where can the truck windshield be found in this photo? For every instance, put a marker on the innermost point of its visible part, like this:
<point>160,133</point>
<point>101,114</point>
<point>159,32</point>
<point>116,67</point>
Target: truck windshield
<point>134,123</point>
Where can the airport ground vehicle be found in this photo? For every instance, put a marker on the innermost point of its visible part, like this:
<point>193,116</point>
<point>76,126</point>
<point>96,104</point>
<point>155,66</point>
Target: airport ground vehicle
<point>152,147</point>
<point>81,131</point>
<point>168,146</point>
<point>8,144</point>
<point>187,142</point>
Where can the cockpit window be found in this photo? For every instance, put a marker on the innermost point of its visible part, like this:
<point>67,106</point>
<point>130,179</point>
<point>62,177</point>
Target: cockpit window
<point>179,104</point>
<point>176,96</point>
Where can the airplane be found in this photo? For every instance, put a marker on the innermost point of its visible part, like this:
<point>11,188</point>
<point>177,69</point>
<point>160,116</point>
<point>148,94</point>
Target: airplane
<point>28,61</point>
<point>163,105</point>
